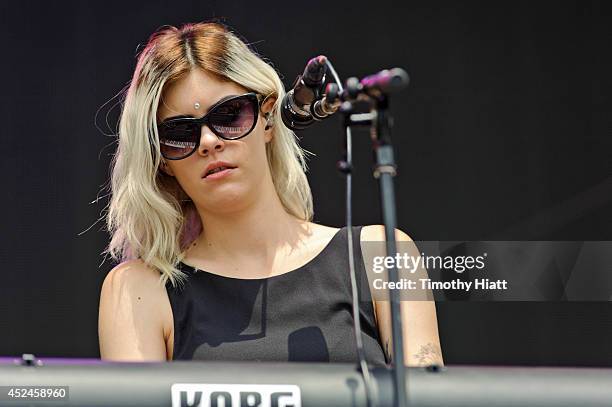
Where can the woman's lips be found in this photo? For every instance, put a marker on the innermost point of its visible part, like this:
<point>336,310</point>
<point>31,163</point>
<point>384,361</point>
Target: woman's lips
<point>219,174</point>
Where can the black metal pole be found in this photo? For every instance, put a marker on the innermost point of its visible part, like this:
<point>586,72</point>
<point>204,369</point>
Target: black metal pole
<point>384,171</point>
<point>379,122</point>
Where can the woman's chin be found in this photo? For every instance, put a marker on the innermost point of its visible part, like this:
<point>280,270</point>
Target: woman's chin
<point>225,200</point>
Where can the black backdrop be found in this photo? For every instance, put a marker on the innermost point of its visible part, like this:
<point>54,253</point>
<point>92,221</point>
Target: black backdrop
<point>504,133</point>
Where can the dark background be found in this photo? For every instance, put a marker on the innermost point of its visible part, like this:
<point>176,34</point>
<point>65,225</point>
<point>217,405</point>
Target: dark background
<point>504,133</point>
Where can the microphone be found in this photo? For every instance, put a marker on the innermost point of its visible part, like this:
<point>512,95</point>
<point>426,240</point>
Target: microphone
<point>385,82</point>
<point>296,107</point>
<point>304,103</point>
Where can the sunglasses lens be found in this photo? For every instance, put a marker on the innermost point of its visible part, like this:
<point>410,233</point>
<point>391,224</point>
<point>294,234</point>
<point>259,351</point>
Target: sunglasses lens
<point>177,139</point>
<point>234,118</point>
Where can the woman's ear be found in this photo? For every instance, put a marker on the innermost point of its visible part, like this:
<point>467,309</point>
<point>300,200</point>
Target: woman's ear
<point>269,120</point>
<point>267,109</point>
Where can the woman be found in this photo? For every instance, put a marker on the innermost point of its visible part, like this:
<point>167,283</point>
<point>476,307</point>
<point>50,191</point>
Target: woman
<point>210,212</point>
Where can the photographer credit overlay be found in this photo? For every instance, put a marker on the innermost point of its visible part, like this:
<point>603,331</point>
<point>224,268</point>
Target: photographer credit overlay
<point>491,270</point>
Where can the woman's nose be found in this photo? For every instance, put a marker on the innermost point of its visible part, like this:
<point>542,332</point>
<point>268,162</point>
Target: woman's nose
<point>209,141</point>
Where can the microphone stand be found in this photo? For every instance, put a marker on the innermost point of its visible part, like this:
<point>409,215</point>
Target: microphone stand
<point>380,122</point>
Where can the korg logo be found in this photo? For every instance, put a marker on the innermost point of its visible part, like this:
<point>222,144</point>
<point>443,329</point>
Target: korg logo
<point>235,395</point>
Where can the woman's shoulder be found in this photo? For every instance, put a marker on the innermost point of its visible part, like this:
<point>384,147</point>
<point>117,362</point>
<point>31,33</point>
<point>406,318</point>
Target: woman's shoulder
<point>132,273</point>
<point>369,233</point>
<point>133,282</point>
<point>376,233</point>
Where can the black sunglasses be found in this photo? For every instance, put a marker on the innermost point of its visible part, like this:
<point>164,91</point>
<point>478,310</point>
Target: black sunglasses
<point>231,119</point>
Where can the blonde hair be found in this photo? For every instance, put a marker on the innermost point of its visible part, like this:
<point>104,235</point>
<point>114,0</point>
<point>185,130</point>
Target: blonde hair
<point>148,214</point>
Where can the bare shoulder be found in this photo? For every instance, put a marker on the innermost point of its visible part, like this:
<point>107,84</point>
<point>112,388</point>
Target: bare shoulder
<point>368,233</point>
<point>376,233</point>
<point>131,275</point>
<point>133,314</point>
<point>133,280</point>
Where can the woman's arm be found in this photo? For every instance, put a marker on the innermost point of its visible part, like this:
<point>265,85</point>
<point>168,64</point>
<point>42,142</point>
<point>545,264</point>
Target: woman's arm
<point>419,320</point>
<point>133,314</point>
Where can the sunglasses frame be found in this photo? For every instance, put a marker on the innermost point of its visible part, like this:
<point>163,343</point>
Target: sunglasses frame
<point>254,97</point>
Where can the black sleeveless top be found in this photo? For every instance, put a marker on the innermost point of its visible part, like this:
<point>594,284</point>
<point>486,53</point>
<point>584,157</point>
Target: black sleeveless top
<point>304,315</point>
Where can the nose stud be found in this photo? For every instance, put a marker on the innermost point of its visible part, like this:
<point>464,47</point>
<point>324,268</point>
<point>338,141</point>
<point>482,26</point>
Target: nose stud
<point>196,105</point>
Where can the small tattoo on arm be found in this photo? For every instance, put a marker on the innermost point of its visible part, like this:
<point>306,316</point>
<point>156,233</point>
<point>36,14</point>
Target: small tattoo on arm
<point>429,354</point>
